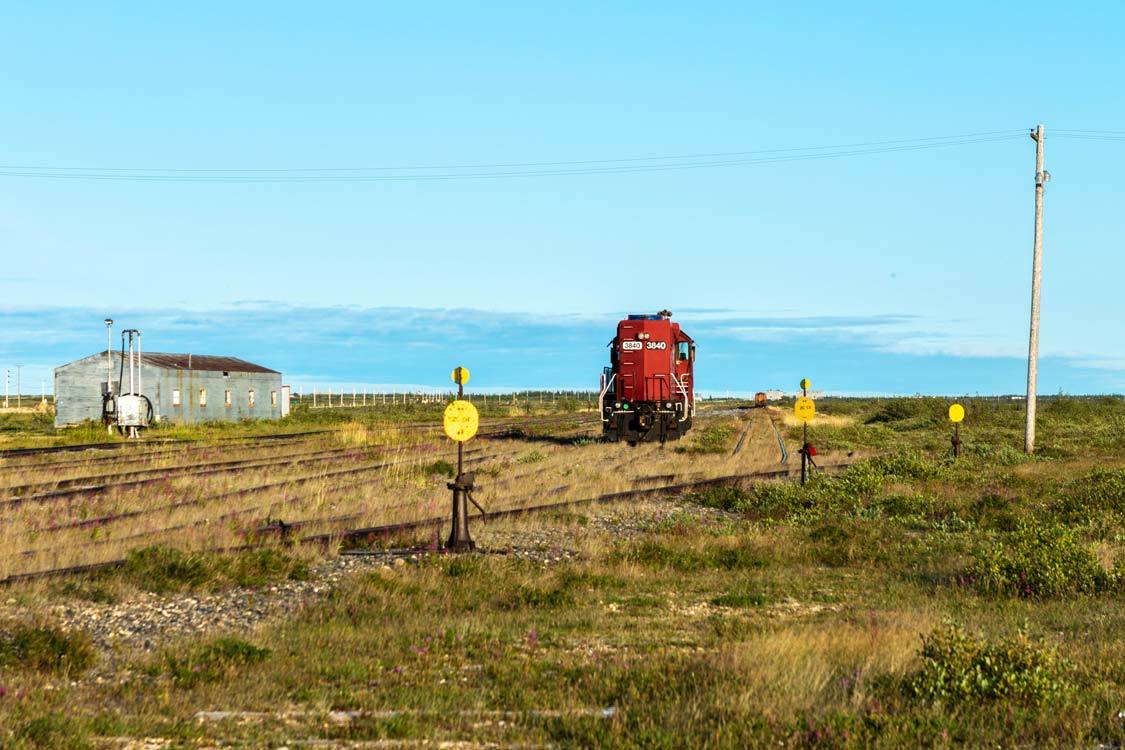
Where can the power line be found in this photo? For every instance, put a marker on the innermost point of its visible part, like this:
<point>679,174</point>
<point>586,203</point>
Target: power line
<point>1090,137</point>
<point>627,165</point>
<point>719,154</point>
<point>1112,132</point>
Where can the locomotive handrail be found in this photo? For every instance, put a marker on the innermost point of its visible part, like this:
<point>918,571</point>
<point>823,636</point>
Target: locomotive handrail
<point>683,391</point>
<point>601,397</point>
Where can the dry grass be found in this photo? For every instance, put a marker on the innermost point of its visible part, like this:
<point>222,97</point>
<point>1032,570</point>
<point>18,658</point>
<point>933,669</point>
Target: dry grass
<point>213,511</point>
<point>820,667</point>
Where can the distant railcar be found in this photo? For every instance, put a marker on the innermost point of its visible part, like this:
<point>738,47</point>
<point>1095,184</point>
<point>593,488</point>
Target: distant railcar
<point>760,399</point>
<point>648,390</point>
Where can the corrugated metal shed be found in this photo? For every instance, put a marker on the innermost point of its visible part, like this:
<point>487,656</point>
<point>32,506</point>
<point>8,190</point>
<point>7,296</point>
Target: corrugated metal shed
<point>182,388</point>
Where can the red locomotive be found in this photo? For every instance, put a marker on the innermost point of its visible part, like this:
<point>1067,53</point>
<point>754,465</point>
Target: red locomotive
<point>648,391</point>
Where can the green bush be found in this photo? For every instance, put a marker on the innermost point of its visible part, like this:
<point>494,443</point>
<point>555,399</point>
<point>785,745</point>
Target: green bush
<point>1001,454</point>
<point>903,409</point>
<point>46,649</point>
<point>848,494</point>
<point>1039,561</point>
<point>533,457</point>
<point>163,569</point>
<point>907,465</point>
<point>1100,492</point>
<point>258,567</point>
<point>722,497</point>
<point>960,669</point>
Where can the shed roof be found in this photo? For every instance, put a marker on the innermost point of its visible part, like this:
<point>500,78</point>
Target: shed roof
<point>205,362</point>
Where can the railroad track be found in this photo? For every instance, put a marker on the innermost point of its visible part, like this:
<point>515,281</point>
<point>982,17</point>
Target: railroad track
<point>147,456</point>
<point>101,483</point>
<point>93,484</point>
<point>119,445</point>
<point>297,481</point>
<point>133,446</point>
<point>392,529</point>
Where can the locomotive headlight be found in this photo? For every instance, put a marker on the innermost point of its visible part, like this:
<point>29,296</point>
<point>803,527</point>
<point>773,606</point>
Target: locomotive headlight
<point>617,405</point>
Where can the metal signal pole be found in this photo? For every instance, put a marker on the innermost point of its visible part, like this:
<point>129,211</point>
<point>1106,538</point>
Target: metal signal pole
<point>804,439</point>
<point>1041,177</point>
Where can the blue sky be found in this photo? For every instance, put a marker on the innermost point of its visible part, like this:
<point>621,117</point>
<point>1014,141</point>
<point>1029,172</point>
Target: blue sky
<point>894,272</point>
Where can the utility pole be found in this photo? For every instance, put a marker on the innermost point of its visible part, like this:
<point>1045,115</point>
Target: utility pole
<point>18,401</point>
<point>7,381</point>
<point>1041,177</point>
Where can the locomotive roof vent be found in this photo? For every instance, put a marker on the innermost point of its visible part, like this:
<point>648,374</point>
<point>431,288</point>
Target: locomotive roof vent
<point>662,315</point>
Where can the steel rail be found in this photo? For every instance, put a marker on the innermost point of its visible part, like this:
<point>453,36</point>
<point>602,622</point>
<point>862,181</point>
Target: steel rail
<point>780,441</point>
<point>74,485</point>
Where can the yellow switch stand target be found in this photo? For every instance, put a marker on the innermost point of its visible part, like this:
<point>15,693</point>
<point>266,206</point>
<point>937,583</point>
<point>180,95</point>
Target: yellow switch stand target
<point>805,409</point>
<point>956,413</point>
<point>460,375</point>
<point>461,421</point>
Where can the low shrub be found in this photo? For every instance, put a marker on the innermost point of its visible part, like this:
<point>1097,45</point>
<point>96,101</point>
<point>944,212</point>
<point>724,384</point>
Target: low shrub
<point>722,497</point>
<point>258,567</point>
<point>848,494</point>
<point>907,465</point>
<point>1100,492</point>
<point>1039,561</point>
<point>960,669</point>
<point>532,457</point>
<point>904,409</point>
<point>46,649</point>
<point>999,455</point>
<point>163,569</point>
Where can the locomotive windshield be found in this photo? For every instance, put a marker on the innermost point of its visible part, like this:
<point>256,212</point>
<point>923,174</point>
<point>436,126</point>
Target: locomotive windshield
<point>684,351</point>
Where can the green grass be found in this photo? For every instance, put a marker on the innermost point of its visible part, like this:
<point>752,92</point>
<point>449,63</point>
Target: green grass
<point>913,601</point>
<point>166,569</point>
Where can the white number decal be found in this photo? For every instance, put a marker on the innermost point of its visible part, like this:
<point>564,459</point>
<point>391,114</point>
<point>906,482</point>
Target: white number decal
<point>656,345</point>
<point>631,346</point>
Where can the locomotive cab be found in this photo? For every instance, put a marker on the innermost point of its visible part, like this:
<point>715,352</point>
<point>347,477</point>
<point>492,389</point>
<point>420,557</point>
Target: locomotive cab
<point>648,392</point>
